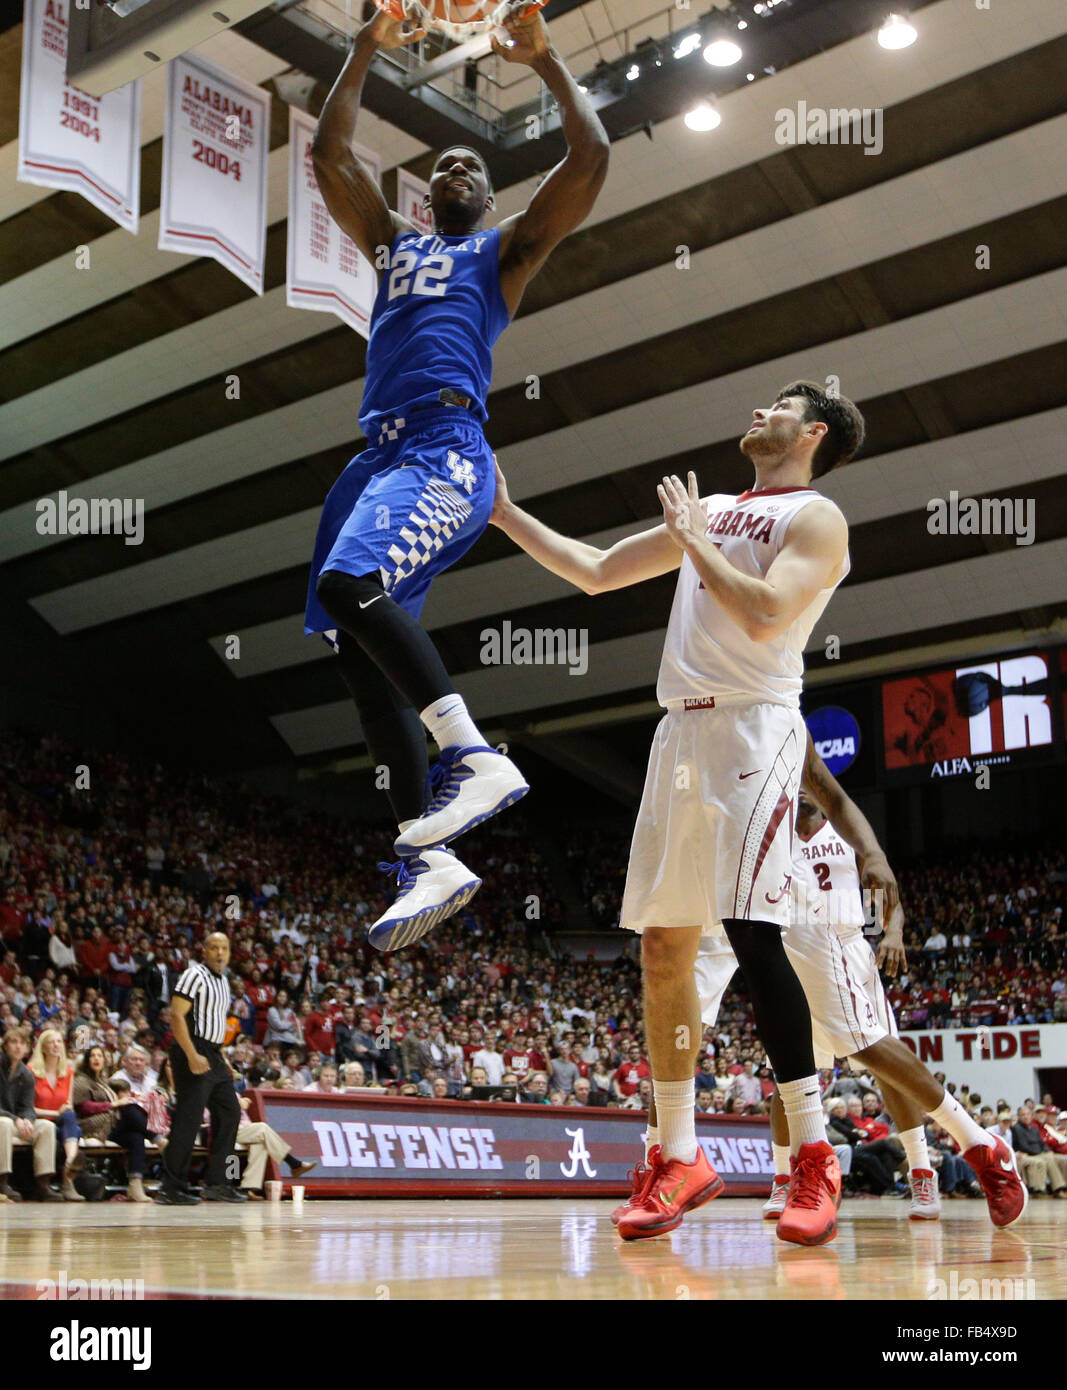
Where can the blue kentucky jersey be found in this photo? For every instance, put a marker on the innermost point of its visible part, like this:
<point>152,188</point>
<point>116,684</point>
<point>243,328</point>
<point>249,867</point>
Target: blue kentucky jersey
<point>437,314</point>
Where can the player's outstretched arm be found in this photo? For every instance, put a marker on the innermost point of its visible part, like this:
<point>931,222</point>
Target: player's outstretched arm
<point>566,196</point>
<point>809,561</point>
<point>857,832</point>
<point>590,569</point>
<point>355,201</point>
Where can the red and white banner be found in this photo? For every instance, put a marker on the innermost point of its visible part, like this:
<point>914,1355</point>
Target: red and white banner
<point>325,268</point>
<point>410,192</point>
<point>68,139</point>
<point>214,187</point>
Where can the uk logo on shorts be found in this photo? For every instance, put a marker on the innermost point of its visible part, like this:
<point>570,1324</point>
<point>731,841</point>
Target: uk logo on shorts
<point>461,471</point>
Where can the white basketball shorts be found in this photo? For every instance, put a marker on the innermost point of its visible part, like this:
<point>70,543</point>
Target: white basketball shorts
<point>715,827</point>
<point>849,1010</point>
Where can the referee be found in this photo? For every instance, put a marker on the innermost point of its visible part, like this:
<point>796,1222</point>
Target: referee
<point>199,1009</point>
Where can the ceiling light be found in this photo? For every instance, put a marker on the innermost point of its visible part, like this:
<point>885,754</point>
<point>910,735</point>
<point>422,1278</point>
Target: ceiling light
<point>703,116</point>
<point>722,53</point>
<point>633,72</point>
<point>688,45</point>
<point>896,32</point>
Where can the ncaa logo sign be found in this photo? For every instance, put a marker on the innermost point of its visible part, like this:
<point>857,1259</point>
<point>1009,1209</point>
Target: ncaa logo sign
<point>836,737</point>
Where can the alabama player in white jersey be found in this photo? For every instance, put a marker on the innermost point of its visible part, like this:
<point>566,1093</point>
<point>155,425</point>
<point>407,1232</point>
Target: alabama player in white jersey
<point>712,845</point>
<point>836,856</point>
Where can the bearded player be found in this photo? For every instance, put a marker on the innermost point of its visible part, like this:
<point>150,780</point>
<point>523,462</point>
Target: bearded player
<point>835,856</point>
<point>420,494</point>
<point>713,841</point>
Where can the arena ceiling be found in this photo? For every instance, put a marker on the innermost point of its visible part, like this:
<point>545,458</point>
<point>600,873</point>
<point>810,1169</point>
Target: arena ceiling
<point>814,261</point>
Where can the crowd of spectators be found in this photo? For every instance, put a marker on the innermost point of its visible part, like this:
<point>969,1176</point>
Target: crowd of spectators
<point>113,872</point>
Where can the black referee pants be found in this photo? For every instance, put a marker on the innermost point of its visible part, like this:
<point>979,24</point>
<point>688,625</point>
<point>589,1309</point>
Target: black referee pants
<point>213,1089</point>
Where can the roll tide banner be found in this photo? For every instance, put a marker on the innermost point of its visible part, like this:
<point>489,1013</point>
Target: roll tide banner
<point>410,192</point>
<point>216,140</point>
<point>367,1145</point>
<point>68,139</point>
<point>325,269</point>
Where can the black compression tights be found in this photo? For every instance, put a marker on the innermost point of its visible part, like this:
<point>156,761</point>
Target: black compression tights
<point>783,1020</point>
<point>392,670</point>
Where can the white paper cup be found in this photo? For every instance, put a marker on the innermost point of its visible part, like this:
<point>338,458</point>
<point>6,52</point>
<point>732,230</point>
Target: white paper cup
<point>274,1191</point>
<point>298,1196</point>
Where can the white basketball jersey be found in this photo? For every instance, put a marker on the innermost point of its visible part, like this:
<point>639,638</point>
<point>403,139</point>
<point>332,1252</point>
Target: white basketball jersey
<point>826,883</point>
<point>706,653</point>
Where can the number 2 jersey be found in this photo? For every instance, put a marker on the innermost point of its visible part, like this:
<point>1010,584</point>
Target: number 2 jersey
<point>826,883</point>
<point>436,316</point>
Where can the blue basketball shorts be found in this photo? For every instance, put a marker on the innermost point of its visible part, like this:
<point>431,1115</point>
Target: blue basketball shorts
<point>407,507</point>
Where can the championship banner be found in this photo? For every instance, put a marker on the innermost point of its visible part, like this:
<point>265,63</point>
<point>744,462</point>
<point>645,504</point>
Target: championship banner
<point>368,1145</point>
<point>68,139</point>
<point>410,192</point>
<point>214,184</point>
<point>325,270</point>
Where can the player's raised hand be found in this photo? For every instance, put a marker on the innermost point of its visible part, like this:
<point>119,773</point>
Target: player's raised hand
<point>527,40</point>
<point>388,31</point>
<point>501,498</point>
<point>685,517</point>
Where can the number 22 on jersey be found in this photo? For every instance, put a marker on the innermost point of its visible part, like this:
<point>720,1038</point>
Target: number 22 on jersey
<point>430,279</point>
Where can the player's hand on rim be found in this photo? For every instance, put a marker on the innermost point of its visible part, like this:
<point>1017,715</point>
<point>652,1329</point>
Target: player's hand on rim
<point>685,517</point>
<point>389,32</point>
<point>527,39</point>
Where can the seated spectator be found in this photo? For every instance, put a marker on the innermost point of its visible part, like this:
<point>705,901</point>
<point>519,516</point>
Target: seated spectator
<point>536,1092</point>
<point>53,1079</point>
<point>602,1075</point>
<point>747,1087</point>
<point>19,1120</point>
<point>703,1102</point>
<point>871,1164</point>
<point>325,1082</point>
<point>641,1098</point>
<point>629,1075</point>
<point>1037,1163</point>
<point>136,1071</point>
<point>556,1098</point>
<point>263,1143</point>
<point>582,1090</point>
<point>109,1113</point>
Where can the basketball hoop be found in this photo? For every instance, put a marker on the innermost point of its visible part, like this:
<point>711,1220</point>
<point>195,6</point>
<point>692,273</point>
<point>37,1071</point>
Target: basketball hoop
<point>460,19</point>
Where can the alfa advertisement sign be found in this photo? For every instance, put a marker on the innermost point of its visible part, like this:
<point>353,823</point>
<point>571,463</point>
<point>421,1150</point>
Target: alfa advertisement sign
<point>367,1145</point>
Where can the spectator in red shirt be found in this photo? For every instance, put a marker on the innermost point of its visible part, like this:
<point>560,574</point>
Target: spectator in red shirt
<point>862,1118</point>
<point>262,996</point>
<point>520,1058</point>
<point>12,917</point>
<point>93,959</point>
<point>318,1029</point>
<point>628,1077</point>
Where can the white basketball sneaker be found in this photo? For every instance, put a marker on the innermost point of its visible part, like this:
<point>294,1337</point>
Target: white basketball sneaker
<point>925,1198</point>
<point>775,1203</point>
<point>433,886</point>
<point>467,786</point>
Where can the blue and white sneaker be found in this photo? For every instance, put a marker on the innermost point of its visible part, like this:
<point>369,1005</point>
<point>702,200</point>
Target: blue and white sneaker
<point>432,887</point>
<point>466,787</point>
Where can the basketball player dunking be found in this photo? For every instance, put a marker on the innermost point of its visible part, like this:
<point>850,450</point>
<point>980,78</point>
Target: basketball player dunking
<point>836,854</point>
<point>713,841</point>
<point>420,495</point>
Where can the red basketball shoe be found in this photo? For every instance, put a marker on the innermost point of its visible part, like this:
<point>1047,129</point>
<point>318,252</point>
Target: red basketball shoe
<point>673,1189</point>
<point>1004,1190</point>
<point>810,1213</point>
<point>639,1177</point>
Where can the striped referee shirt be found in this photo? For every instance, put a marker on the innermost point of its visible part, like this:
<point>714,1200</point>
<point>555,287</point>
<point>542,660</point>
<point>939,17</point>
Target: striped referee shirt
<point>209,995</point>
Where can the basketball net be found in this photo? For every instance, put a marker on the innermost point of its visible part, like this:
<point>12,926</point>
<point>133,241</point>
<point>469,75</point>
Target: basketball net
<point>459,19</point>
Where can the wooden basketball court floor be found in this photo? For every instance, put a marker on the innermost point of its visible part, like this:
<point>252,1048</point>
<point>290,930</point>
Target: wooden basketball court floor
<point>529,1249</point>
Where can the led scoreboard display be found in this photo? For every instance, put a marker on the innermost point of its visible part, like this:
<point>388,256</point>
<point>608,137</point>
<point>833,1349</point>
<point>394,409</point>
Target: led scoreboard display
<point>947,722</point>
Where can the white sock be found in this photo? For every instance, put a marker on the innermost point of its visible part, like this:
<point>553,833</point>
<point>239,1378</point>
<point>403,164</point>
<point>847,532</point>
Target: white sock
<point>449,723</point>
<point>781,1160</point>
<point>651,1140</point>
<point>803,1110</point>
<point>676,1113</point>
<point>914,1141</point>
<point>951,1115</point>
